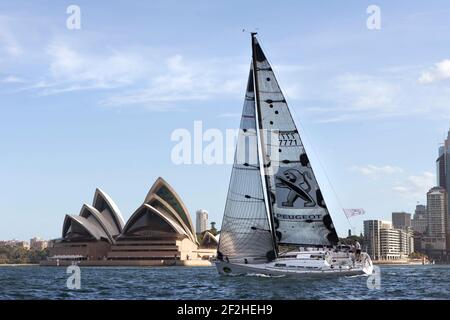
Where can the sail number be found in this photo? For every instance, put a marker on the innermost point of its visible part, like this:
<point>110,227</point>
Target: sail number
<point>288,138</point>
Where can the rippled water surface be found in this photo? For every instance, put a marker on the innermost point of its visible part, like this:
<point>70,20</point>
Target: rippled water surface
<point>397,282</point>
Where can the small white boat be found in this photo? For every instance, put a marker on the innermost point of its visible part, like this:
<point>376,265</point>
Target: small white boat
<point>274,200</point>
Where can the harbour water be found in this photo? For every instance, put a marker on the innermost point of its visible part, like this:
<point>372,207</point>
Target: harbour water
<point>397,282</point>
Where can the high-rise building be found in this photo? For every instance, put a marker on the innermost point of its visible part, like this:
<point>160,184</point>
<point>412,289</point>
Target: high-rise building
<point>437,212</point>
<point>443,171</point>
<point>390,244</point>
<point>401,220</point>
<point>406,241</point>
<point>385,242</point>
<point>202,220</point>
<point>420,221</point>
<point>372,236</point>
<point>434,242</point>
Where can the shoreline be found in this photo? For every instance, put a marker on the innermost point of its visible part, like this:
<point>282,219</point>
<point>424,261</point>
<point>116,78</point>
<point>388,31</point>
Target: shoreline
<point>102,266</point>
<point>18,264</point>
<point>400,263</point>
<point>128,263</point>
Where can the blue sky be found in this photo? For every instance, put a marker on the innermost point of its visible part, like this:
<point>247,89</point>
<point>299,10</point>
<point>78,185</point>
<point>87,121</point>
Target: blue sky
<point>97,106</point>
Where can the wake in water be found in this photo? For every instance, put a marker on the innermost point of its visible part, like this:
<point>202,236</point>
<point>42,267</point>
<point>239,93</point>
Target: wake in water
<point>357,276</point>
<point>256,275</point>
<point>260,275</point>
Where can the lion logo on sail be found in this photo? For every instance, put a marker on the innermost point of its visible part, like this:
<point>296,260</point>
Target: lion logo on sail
<point>293,185</point>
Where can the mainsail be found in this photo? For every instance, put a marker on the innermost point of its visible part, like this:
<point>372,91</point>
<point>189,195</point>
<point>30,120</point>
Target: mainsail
<point>299,211</point>
<point>246,234</point>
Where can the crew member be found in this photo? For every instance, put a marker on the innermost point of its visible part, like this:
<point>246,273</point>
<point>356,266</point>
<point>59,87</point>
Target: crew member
<point>358,249</point>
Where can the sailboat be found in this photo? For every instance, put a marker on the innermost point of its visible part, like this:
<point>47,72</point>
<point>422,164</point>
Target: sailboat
<point>275,220</point>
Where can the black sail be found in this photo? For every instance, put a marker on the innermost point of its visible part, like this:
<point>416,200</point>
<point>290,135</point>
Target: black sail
<point>245,233</point>
<point>300,215</point>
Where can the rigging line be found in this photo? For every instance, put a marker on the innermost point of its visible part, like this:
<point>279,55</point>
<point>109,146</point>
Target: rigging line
<point>323,168</point>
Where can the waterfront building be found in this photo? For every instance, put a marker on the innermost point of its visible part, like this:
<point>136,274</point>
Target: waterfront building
<point>417,239</point>
<point>15,243</point>
<point>390,244</point>
<point>387,243</point>
<point>201,220</point>
<point>372,237</point>
<point>22,244</point>
<point>419,223</point>
<point>435,241</point>
<point>443,167</point>
<point>38,244</point>
<point>159,232</point>
<point>443,179</point>
<point>437,212</point>
<point>89,235</point>
<point>209,240</point>
<point>434,246</point>
<point>401,220</point>
<point>406,237</point>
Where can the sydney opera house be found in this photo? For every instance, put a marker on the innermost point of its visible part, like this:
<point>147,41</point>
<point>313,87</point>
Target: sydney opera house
<point>159,233</point>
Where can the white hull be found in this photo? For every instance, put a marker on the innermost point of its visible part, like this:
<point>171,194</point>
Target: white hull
<point>302,265</point>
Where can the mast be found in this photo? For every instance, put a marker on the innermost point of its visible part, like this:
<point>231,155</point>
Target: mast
<point>262,149</point>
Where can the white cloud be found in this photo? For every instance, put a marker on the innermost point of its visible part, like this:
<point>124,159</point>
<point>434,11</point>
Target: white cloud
<point>164,79</point>
<point>354,97</point>
<point>415,186</point>
<point>440,71</point>
<point>179,79</point>
<point>372,170</point>
<point>8,42</point>
<point>384,94</point>
<point>12,79</point>
<point>72,70</point>
<point>143,77</point>
<point>365,92</point>
<point>394,182</point>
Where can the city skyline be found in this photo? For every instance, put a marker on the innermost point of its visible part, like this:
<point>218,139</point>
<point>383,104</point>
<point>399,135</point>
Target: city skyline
<point>96,107</point>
